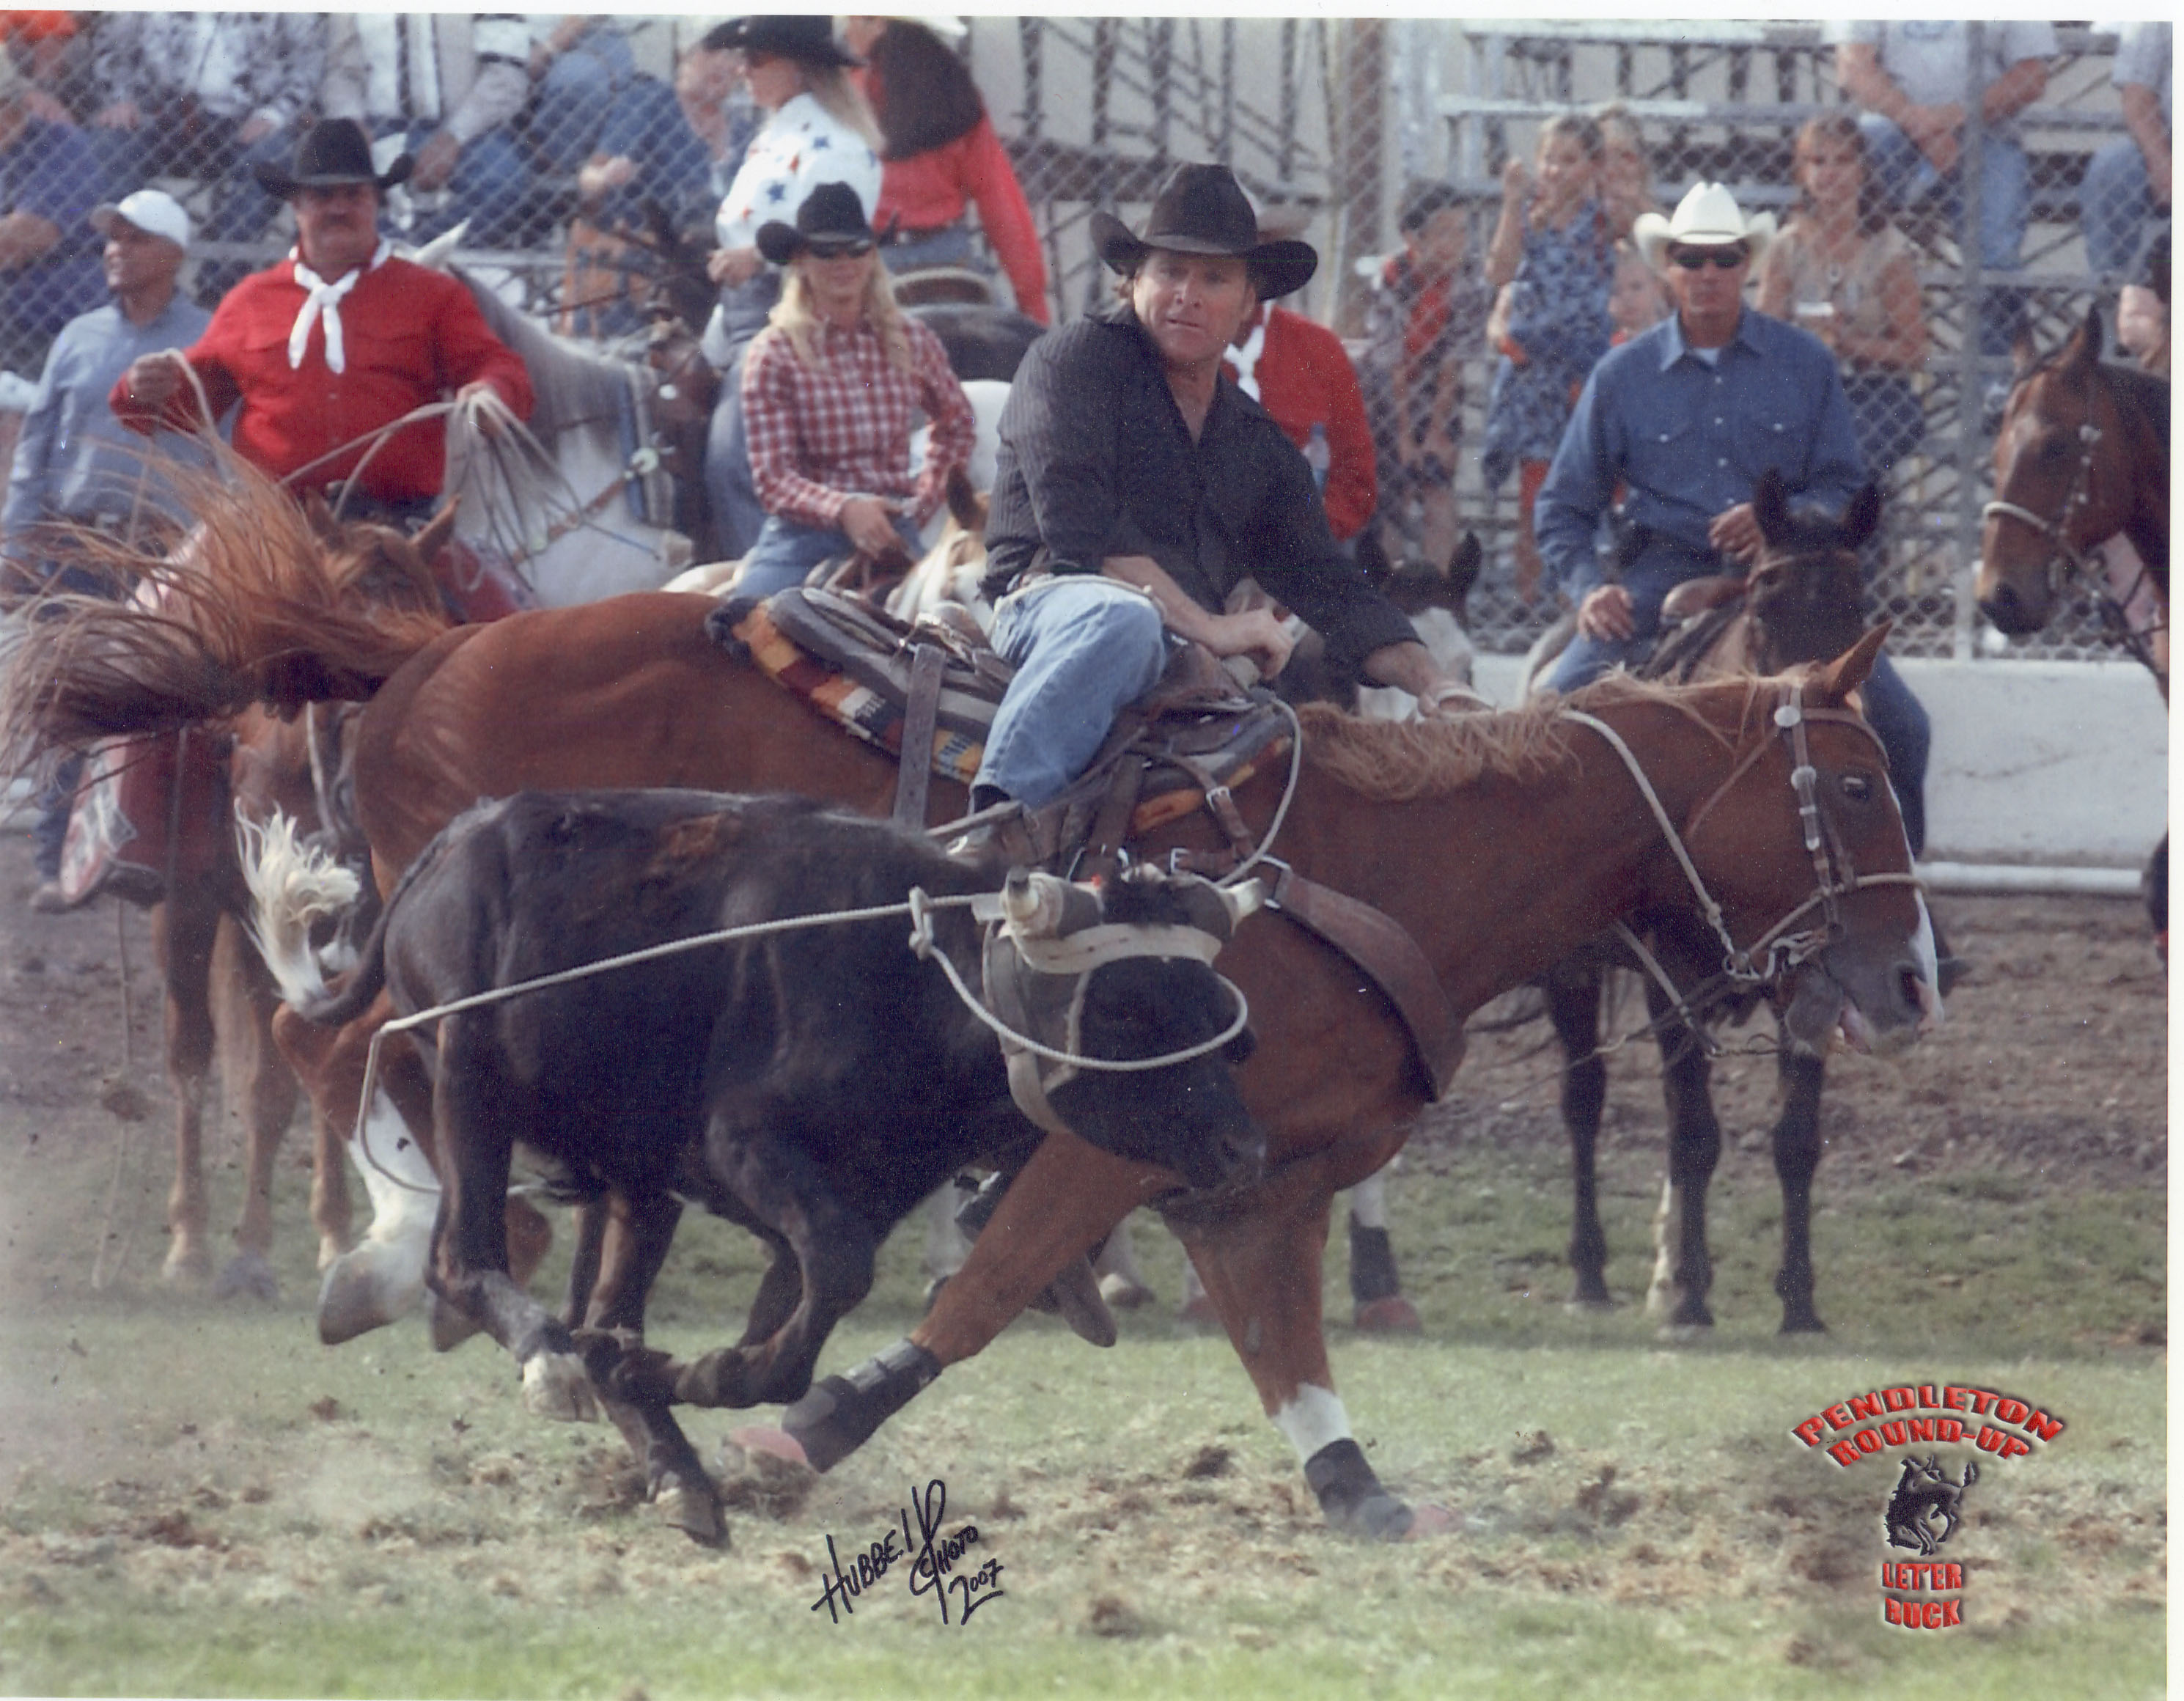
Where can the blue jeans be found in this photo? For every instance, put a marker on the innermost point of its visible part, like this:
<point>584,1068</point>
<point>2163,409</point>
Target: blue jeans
<point>950,246</point>
<point>488,188</point>
<point>1897,718</point>
<point>2116,210</point>
<point>576,97</point>
<point>787,550</point>
<point>1083,647</point>
<point>739,516</point>
<point>1905,175</point>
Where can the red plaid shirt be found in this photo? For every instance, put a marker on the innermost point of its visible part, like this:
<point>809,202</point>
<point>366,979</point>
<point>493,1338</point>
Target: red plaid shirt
<point>823,433</point>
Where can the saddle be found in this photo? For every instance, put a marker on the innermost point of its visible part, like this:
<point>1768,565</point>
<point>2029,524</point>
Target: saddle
<point>931,685</point>
<point>1183,747</point>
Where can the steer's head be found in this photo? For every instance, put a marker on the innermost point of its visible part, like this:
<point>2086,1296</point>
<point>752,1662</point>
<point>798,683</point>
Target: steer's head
<point>1125,974</point>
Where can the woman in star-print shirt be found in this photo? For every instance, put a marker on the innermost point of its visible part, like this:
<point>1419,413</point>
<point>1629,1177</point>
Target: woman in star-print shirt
<point>817,129</point>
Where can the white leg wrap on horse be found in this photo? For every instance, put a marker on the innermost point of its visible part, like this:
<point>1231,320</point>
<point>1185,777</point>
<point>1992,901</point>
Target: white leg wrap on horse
<point>1668,1251</point>
<point>1312,1420</point>
<point>1369,1201</point>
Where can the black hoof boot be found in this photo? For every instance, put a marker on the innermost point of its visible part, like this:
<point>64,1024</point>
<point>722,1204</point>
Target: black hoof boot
<point>841,1413</point>
<point>1351,1496</point>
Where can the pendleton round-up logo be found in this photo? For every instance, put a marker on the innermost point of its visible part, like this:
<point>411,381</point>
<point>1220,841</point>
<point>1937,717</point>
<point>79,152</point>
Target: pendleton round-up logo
<point>1925,1506</point>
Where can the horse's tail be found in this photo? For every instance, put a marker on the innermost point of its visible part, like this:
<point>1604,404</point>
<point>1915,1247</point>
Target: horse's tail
<point>256,604</point>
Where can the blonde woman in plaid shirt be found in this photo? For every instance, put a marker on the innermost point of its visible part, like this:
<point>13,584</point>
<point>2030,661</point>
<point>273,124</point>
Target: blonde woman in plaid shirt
<point>832,389</point>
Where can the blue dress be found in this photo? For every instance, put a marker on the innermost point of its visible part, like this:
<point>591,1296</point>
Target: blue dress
<point>1558,316</point>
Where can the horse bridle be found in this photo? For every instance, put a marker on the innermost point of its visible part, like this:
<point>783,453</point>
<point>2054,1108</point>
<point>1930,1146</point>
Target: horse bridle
<point>1835,875</point>
<point>2064,557</point>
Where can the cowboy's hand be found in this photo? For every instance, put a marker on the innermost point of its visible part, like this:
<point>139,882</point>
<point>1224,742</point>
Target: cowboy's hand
<point>866,519</point>
<point>155,380</point>
<point>435,161</point>
<point>1254,632</point>
<point>1515,180</point>
<point>1736,532</point>
<point>1933,130</point>
<point>1605,614</point>
<point>488,421</point>
<point>733,265</point>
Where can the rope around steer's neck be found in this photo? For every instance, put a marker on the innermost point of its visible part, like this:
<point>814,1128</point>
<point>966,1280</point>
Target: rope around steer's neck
<point>921,908</point>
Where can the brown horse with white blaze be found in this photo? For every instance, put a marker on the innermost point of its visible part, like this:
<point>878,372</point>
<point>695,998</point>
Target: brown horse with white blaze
<point>1497,845</point>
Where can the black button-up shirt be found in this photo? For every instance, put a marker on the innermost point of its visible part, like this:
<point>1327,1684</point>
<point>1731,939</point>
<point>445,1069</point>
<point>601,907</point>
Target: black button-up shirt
<point>1096,460</point>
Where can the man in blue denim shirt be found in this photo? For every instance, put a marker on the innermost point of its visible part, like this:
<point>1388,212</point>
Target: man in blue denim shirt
<point>1687,415</point>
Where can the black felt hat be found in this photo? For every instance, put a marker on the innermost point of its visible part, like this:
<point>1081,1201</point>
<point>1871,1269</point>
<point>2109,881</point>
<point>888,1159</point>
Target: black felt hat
<point>809,41</point>
<point>831,215</point>
<point>1202,209</point>
<point>333,151</point>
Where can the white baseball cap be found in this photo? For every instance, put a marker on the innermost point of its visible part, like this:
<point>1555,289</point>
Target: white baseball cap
<point>152,211</point>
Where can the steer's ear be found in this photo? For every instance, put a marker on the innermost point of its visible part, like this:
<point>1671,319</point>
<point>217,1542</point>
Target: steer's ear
<point>1836,681</point>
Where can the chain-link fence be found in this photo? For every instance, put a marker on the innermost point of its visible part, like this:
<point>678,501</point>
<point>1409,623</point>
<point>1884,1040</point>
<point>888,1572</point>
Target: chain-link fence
<point>1383,142</point>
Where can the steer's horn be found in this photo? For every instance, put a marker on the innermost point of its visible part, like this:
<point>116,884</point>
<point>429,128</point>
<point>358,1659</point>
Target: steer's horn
<point>1032,903</point>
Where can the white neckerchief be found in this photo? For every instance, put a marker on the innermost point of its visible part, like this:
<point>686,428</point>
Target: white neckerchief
<point>1244,357</point>
<point>324,300</point>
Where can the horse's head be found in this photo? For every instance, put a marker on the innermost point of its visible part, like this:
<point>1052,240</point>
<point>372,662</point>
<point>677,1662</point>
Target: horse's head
<point>1804,846</point>
<point>2047,505</point>
<point>1804,593</point>
<point>683,396</point>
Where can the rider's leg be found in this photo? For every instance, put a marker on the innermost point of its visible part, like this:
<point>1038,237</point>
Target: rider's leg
<point>1900,723</point>
<point>1083,647</point>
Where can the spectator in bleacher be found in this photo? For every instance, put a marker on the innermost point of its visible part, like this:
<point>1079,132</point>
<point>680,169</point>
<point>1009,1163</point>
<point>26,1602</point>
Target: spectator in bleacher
<point>1298,371</point>
<point>1637,303</point>
<point>680,147</point>
<point>1843,272</point>
<point>445,88</point>
<point>1554,249</point>
<point>1626,172</point>
<point>940,156</point>
<point>1686,416</point>
<point>1912,78</point>
<point>210,96</point>
<point>583,68</point>
<point>1427,319</point>
<point>49,182</point>
<point>2142,311</point>
<point>53,53</point>
<point>2127,188</point>
<point>817,129</point>
<point>832,389</point>
<point>77,466</point>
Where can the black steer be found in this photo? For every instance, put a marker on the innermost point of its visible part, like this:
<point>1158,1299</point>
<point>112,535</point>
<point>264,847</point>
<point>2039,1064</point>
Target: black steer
<point>813,1086</point>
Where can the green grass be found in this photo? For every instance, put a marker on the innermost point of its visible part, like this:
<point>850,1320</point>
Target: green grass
<point>202,1501</point>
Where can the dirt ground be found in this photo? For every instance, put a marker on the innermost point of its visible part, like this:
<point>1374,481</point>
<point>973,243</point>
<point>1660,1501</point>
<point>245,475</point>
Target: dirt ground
<point>2050,1073</point>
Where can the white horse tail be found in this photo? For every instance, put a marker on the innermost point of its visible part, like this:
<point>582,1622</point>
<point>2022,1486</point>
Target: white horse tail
<point>292,885</point>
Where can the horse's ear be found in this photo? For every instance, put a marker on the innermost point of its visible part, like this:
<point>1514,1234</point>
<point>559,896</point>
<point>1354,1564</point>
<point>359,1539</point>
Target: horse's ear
<point>1771,507</point>
<point>1463,567</point>
<point>2083,351</point>
<point>1862,519</point>
<point>433,538</point>
<point>323,526</point>
<point>1838,679</point>
<point>964,505</point>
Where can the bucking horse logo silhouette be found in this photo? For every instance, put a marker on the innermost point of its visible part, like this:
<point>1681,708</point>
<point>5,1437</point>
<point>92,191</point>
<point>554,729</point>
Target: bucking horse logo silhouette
<point>1923,1498</point>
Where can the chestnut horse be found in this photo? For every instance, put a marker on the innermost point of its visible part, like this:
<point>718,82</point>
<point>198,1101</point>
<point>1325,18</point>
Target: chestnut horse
<point>1499,843</point>
<point>2081,460</point>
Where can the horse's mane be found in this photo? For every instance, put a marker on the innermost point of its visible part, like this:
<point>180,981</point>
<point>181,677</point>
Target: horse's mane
<point>1398,761</point>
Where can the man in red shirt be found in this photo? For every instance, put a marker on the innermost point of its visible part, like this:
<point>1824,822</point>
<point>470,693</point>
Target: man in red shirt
<point>339,340</point>
<point>1298,371</point>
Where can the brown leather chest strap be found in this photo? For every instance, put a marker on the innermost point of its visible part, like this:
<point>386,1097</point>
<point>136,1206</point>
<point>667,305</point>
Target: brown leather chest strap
<point>1378,945</point>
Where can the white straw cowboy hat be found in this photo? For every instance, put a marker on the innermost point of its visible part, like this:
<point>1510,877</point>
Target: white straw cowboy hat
<point>1708,217</point>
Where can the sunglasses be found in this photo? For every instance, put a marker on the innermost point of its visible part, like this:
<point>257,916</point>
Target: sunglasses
<point>856,248</point>
<point>1694,259</point>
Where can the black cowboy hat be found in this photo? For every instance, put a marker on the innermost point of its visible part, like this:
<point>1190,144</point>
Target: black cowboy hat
<point>1202,209</point>
<point>809,41</point>
<point>831,215</point>
<point>334,150</point>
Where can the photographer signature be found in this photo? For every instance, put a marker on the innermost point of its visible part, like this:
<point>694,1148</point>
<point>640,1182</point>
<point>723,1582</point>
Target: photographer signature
<point>934,1561</point>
